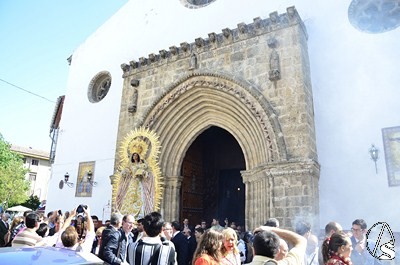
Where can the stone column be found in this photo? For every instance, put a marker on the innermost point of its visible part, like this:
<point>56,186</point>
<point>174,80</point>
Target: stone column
<point>287,191</point>
<point>172,186</point>
<point>257,203</point>
<point>294,192</point>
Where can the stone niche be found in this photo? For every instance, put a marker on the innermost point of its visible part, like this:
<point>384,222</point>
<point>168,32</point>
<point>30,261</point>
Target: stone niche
<point>260,72</point>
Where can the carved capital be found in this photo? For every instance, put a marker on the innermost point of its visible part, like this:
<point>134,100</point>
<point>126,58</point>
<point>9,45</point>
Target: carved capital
<point>199,42</point>
<point>133,64</point>
<point>257,22</point>
<point>226,32</point>
<point>272,42</point>
<point>143,61</point>
<point>152,57</point>
<point>163,54</point>
<point>135,82</point>
<point>185,46</point>
<point>173,50</point>
<point>125,67</point>
<point>212,37</point>
<point>242,27</point>
<point>274,17</point>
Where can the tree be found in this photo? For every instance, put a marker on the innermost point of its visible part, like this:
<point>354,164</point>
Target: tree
<point>33,202</point>
<point>13,185</point>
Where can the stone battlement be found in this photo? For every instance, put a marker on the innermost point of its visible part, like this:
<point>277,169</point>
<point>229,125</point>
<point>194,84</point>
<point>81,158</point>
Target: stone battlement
<point>214,40</point>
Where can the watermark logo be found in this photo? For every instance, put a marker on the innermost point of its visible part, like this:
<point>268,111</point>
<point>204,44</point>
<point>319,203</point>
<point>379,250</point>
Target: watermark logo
<point>380,241</point>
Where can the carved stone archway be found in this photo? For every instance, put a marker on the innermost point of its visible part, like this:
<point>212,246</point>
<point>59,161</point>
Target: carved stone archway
<point>201,100</point>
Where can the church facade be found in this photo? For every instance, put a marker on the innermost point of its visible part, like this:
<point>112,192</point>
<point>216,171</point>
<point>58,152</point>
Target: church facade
<point>253,83</point>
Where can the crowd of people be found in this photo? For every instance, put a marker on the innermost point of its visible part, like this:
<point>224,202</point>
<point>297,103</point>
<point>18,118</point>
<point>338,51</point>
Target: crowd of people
<point>151,240</point>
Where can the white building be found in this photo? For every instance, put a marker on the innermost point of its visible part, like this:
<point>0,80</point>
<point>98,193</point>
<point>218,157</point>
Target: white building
<point>355,90</point>
<point>37,162</point>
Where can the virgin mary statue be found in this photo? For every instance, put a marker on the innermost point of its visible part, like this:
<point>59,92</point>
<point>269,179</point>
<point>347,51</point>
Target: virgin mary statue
<point>138,187</point>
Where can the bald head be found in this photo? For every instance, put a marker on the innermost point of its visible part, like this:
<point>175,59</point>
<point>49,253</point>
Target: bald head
<point>332,227</point>
<point>283,250</point>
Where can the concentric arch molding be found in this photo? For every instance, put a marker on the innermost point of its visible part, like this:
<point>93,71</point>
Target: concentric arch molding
<point>246,93</point>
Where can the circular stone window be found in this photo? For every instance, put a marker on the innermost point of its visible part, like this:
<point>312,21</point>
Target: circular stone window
<point>196,3</point>
<point>99,86</point>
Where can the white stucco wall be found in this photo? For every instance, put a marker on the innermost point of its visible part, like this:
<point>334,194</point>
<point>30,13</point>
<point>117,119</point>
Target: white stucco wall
<point>353,76</point>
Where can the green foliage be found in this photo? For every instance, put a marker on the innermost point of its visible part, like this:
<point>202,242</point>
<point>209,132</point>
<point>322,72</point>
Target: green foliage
<point>13,185</point>
<point>33,202</point>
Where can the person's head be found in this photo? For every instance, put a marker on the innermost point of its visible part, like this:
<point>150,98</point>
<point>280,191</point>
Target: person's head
<point>186,222</point>
<point>153,223</point>
<point>176,226</point>
<point>187,232</point>
<point>95,220</point>
<point>358,228</point>
<point>283,250</point>
<point>312,244</point>
<point>139,225</point>
<point>338,244</point>
<point>303,228</point>
<point>229,241</point>
<point>167,230</point>
<point>248,237</point>
<point>32,220</point>
<point>198,232</point>
<point>135,157</point>
<point>266,244</point>
<point>5,217</point>
<point>26,214</point>
<point>215,221</point>
<point>115,220</point>
<point>203,224</point>
<point>16,221</point>
<point>99,233</point>
<point>273,222</point>
<point>332,227</point>
<point>107,223</point>
<point>127,223</point>
<point>43,230</point>
<point>69,237</point>
<point>210,243</point>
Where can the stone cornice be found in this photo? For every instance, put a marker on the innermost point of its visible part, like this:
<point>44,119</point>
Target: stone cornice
<point>214,40</point>
<point>278,169</point>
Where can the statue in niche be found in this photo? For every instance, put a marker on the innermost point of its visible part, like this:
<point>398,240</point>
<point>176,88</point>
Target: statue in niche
<point>274,66</point>
<point>193,62</point>
<point>103,88</point>
<point>133,107</point>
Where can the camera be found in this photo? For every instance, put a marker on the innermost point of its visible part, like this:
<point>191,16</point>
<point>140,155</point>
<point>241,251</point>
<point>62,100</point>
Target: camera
<point>80,208</point>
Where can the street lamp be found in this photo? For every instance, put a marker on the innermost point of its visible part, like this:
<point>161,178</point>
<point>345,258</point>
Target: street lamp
<point>66,178</point>
<point>374,153</point>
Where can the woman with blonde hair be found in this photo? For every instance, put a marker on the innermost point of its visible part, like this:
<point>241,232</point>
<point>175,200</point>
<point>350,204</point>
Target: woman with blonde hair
<point>7,237</point>
<point>230,251</point>
<point>208,251</point>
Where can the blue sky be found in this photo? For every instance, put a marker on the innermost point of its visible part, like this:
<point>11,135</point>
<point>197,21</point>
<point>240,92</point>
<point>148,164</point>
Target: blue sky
<point>37,37</point>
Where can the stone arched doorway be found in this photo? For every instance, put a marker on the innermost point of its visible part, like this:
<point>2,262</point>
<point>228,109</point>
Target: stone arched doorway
<point>199,101</point>
<point>212,186</point>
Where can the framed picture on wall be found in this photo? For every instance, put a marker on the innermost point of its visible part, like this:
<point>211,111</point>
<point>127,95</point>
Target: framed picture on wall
<point>84,179</point>
<point>391,143</point>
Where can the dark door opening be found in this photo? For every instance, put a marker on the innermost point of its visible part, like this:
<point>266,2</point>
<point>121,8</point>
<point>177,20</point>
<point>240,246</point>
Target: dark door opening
<point>212,186</point>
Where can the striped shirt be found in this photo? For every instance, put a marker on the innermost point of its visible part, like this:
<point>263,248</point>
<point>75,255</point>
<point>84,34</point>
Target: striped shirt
<point>151,251</point>
<point>27,238</point>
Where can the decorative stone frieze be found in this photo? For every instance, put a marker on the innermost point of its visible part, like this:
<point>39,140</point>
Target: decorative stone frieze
<point>258,27</point>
